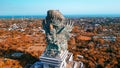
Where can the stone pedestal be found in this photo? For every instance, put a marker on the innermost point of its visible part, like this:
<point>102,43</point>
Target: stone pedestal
<point>58,62</point>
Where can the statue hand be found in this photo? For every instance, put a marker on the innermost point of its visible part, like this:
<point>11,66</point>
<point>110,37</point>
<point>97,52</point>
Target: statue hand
<point>69,26</point>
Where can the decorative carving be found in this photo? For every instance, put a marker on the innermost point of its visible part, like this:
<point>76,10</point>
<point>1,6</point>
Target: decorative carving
<point>57,31</point>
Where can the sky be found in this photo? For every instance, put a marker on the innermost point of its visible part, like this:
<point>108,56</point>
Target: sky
<point>67,7</point>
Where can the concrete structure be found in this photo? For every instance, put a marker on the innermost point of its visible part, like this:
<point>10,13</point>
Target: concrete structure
<point>59,62</point>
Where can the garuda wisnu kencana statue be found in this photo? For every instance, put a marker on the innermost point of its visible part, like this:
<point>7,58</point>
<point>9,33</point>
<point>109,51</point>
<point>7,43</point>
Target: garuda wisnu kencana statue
<point>57,30</point>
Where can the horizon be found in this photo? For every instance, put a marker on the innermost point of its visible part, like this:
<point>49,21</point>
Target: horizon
<point>63,14</point>
<point>67,7</point>
<point>67,16</point>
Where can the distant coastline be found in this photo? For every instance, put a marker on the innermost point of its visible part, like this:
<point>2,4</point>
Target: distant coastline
<point>67,16</point>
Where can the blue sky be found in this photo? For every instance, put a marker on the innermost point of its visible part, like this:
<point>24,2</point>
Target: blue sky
<point>39,7</point>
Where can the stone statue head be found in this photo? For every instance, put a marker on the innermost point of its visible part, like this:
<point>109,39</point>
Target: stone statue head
<point>55,18</point>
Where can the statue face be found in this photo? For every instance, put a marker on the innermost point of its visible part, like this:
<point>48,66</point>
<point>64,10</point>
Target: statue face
<point>55,22</point>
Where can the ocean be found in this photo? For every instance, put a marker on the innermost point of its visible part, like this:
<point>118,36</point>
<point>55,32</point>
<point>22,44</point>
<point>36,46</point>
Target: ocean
<point>66,16</point>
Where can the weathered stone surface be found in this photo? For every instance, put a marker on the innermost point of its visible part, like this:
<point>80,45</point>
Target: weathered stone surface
<point>52,14</point>
<point>57,31</point>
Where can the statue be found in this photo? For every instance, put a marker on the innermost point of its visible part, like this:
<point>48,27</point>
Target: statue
<point>57,31</point>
